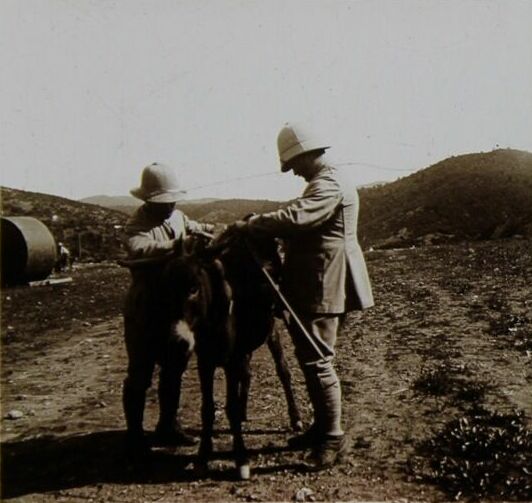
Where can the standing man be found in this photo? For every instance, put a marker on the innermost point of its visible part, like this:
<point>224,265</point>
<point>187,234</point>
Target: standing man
<point>64,262</point>
<point>155,230</point>
<point>324,276</point>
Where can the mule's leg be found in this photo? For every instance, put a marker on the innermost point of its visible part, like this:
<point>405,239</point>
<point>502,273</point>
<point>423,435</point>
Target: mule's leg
<point>206,376</point>
<point>233,408</point>
<point>281,366</point>
<point>243,391</point>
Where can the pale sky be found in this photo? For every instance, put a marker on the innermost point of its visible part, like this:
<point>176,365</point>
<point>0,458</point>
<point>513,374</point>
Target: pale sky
<point>94,90</point>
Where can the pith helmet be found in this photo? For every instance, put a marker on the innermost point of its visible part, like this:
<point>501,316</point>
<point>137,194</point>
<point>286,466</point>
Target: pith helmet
<point>158,184</point>
<point>293,141</point>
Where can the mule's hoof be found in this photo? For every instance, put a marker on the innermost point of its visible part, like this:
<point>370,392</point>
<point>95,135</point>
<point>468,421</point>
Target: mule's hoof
<point>201,469</point>
<point>244,472</point>
<point>297,426</point>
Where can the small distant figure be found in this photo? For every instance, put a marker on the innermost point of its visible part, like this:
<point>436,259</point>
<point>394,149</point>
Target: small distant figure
<point>64,260</point>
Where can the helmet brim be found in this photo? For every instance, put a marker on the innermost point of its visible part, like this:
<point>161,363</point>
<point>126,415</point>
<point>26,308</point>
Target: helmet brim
<point>170,196</point>
<point>286,165</point>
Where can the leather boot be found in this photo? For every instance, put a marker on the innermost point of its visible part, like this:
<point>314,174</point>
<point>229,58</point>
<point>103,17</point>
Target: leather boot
<point>133,403</point>
<point>329,452</point>
<point>169,431</point>
<point>306,440</point>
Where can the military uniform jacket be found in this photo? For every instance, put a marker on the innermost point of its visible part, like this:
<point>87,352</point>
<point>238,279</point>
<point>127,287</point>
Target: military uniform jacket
<point>324,269</point>
<point>149,237</point>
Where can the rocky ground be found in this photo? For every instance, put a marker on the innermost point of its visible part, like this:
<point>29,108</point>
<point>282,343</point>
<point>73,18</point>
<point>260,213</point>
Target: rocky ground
<point>444,356</point>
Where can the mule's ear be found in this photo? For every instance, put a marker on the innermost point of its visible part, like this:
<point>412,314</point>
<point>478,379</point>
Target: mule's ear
<point>219,267</point>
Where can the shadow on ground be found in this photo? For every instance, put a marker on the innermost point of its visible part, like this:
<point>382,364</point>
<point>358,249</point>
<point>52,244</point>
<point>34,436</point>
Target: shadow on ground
<point>51,463</point>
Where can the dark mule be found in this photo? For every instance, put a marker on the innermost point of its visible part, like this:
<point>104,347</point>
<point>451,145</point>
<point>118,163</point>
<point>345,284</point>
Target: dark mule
<point>222,297</point>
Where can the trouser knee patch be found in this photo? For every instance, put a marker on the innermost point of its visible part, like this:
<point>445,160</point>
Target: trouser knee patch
<point>321,372</point>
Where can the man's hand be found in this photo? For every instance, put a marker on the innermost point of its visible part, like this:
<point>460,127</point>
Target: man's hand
<point>177,246</point>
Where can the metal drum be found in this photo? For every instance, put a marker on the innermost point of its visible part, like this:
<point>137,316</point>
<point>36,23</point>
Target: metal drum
<point>29,251</point>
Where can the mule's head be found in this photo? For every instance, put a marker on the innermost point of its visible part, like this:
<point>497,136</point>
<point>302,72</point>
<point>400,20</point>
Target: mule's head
<point>184,301</point>
<point>199,304</point>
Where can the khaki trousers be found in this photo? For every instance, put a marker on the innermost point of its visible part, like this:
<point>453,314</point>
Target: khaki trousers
<point>323,385</point>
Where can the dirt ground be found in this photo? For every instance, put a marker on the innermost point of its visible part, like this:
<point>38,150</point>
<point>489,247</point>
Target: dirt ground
<point>464,311</point>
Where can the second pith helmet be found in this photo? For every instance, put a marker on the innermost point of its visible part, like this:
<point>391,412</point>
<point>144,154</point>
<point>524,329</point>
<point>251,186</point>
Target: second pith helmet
<point>159,184</point>
<point>293,140</point>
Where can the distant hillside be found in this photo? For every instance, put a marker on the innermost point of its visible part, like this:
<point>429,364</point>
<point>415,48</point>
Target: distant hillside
<point>128,204</point>
<point>227,210</point>
<point>203,210</point>
<point>112,201</point>
<point>72,222</point>
<point>467,197</point>
<point>99,229</point>
<point>473,196</point>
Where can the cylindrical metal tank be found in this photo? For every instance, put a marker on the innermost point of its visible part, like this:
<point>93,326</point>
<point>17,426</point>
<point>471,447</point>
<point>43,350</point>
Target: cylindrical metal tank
<point>29,251</point>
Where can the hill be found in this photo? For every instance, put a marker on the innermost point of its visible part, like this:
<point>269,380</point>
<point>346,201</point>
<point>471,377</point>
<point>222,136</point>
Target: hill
<point>227,210</point>
<point>203,210</point>
<point>98,229</point>
<point>90,232</point>
<point>124,204</point>
<point>128,204</point>
<point>467,197</point>
<point>112,201</point>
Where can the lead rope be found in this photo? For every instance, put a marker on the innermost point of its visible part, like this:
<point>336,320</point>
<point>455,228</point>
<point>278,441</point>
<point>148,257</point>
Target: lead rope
<point>277,290</point>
